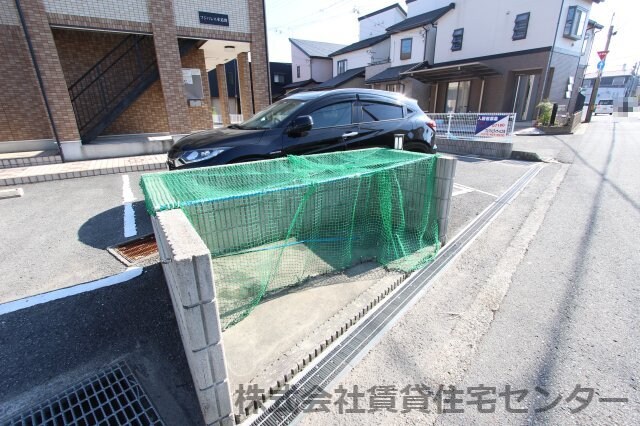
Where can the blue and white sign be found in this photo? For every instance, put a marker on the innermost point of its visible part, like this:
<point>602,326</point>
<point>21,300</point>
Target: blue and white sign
<point>492,126</point>
<point>600,65</point>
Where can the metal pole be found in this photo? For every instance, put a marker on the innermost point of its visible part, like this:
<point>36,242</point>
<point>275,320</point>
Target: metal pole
<point>481,96</point>
<point>596,84</point>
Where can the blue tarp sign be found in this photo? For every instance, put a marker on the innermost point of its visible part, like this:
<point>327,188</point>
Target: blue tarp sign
<point>492,126</point>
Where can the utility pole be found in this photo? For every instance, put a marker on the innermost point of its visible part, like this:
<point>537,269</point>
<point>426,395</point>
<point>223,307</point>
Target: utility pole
<point>596,84</point>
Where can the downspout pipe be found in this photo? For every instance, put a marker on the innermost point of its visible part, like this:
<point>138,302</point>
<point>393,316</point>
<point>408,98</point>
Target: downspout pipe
<point>39,77</point>
<point>553,47</point>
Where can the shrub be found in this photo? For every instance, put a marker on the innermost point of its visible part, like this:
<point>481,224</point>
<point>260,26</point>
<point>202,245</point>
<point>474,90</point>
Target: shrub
<point>544,112</point>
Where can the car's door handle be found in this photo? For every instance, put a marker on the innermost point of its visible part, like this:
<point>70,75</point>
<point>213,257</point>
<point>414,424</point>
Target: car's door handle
<point>349,135</point>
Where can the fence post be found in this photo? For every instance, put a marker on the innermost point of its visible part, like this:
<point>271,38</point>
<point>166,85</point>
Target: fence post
<point>445,173</point>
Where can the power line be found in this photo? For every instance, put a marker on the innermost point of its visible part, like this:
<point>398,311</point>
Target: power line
<point>301,20</point>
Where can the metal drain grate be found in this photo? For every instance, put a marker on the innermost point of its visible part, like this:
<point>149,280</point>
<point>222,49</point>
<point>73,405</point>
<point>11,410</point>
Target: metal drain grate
<point>111,397</point>
<point>135,251</point>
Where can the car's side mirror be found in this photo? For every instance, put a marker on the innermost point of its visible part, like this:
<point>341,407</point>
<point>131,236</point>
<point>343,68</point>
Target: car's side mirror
<point>301,124</point>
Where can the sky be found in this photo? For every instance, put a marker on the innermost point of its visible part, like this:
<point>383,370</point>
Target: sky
<point>336,21</point>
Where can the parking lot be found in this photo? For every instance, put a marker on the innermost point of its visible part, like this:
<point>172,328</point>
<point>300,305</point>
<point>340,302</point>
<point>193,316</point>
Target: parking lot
<point>71,223</point>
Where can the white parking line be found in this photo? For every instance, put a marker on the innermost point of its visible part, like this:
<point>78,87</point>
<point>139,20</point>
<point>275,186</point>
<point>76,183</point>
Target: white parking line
<point>38,299</point>
<point>459,189</point>
<point>128,198</point>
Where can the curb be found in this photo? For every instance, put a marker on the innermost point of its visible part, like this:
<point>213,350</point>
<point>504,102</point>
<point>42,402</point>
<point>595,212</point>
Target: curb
<point>48,173</point>
<point>525,156</point>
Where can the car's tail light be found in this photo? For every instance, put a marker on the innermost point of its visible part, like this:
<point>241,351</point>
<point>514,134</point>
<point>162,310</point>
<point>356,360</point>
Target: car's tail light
<point>431,123</point>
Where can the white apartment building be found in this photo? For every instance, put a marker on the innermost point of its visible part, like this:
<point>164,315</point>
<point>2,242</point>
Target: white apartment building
<point>470,55</point>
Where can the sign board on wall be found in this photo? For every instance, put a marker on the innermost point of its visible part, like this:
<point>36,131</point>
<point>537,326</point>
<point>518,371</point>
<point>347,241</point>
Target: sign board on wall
<point>493,126</point>
<point>192,79</point>
<point>209,18</point>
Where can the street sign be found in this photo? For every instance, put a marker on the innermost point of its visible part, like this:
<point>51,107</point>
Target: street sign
<point>600,65</point>
<point>602,54</point>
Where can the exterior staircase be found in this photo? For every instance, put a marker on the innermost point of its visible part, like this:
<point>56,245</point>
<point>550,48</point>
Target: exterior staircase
<point>110,86</point>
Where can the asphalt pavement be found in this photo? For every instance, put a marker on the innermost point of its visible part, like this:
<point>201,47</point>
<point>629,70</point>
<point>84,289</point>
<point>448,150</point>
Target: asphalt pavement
<point>56,237</point>
<point>537,318</point>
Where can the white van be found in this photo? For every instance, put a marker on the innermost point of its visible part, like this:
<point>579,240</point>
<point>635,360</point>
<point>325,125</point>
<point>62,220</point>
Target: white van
<point>605,106</point>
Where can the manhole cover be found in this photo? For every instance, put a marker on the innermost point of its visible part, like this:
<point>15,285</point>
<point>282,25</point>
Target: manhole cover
<point>112,397</point>
<point>135,251</point>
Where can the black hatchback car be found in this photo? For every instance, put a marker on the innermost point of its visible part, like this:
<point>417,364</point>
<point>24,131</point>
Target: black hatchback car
<point>311,123</point>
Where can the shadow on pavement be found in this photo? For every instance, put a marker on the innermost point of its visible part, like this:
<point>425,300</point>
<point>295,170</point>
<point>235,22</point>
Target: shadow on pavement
<point>107,228</point>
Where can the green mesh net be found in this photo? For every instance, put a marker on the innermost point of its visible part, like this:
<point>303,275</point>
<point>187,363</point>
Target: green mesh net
<point>276,223</point>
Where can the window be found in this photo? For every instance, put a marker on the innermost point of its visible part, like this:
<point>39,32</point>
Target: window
<point>405,48</point>
<point>521,26</point>
<point>458,96</point>
<point>397,87</point>
<point>587,83</point>
<point>342,66</point>
<point>278,78</point>
<point>273,115</point>
<point>606,81</point>
<point>456,41</point>
<point>618,81</point>
<point>332,115</point>
<point>374,111</point>
<point>576,18</point>
<point>298,71</point>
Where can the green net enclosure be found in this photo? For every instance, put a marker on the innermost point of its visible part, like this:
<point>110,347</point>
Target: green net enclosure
<point>275,223</point>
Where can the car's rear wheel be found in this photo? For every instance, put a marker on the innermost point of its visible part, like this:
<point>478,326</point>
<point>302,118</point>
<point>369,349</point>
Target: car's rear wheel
<point>418,147</point>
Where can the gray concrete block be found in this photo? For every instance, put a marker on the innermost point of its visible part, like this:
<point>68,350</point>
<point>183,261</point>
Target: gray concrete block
<point>215,403</point>
<point>203,325</point>
<point>207,366</point>
<point>192,259</point>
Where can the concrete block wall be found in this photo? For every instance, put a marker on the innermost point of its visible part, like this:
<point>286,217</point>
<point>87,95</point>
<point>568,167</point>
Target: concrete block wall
<point>187,267</point>
<point>130,10</point>
<point>468,147</point>
<point>445,174</point>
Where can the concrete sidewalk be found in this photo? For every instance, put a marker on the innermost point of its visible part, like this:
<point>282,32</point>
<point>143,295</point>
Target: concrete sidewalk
<point>546,148</point>
<point>51,172</point>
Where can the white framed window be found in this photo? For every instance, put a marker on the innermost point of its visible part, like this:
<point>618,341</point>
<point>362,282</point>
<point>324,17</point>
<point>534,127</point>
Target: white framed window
<point>298,71</point>
<point>397,87</point>
<point>618,81</point>
<point>405,48</point>
<point>278,78</point>
<point>342,66</point>
<point>576,19</point>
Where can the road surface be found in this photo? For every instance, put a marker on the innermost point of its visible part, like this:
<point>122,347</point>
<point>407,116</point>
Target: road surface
<point>540,310</point>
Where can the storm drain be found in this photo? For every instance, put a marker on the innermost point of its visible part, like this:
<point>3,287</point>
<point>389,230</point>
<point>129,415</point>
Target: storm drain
<point>135,251</point>
<point>112,397</point>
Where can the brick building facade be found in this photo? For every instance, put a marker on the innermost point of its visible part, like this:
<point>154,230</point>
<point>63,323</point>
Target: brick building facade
<point>76,74</point>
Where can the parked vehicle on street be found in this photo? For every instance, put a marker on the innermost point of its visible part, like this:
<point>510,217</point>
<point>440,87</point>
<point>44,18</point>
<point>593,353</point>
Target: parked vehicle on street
<point>604,106</point>
<point>310,123</point>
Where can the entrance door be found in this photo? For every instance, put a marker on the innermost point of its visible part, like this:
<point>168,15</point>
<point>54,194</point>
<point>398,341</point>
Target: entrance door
<point>526,87</point>
<point>458,96</point>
